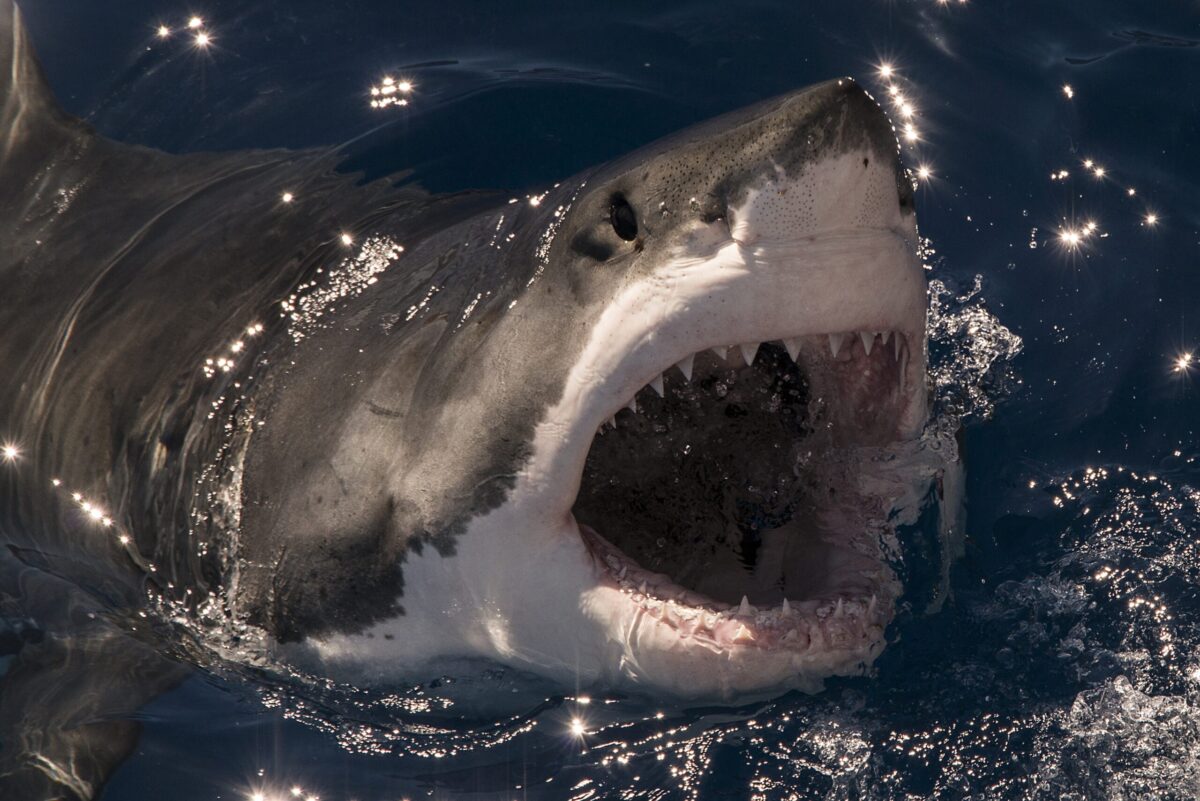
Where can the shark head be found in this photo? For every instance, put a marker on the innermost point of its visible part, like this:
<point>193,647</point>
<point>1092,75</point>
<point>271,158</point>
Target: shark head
<point>639,452</point>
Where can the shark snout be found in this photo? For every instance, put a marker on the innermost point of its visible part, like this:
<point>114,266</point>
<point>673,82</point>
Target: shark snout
<point>829,162</point>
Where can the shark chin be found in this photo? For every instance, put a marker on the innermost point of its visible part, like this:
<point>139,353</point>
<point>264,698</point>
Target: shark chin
<point>708,507</point>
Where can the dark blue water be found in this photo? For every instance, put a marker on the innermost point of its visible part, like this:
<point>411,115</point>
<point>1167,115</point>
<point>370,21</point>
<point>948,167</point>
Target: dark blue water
<point>1066,663</point>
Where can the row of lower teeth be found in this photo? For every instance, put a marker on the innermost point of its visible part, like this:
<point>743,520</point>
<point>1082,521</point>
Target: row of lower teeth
<point>838,623</point>
<point>863,609</point>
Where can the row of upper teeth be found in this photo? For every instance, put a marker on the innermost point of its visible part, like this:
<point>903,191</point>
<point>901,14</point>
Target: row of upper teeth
<point>750,349</point>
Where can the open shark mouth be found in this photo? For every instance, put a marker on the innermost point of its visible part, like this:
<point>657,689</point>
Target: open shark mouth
<point>725,502</point>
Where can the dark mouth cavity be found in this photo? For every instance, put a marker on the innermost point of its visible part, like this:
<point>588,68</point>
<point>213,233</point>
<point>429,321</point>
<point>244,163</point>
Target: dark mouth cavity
<point>689,483</point>
<point>720,483</point>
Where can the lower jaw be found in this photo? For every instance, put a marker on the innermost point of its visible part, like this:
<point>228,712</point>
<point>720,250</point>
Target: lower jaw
<point>847,627</point>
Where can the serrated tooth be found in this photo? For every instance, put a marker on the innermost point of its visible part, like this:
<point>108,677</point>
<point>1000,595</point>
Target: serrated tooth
<point>749,350</point>
<point>743,634</point>
<point>721,352</point>
<point>685,366</point>
<point>632,405</point>
<point>868,341</point>
<point>787,608</point>
<point>793,347</point>
<point>612,421</point>
<point>745,608</point>
<point>642,588</point>
<point>835,343</point>
<point>896,344</point>
<point>621,573</point>
<point>657,385</point>
<point>840,611</point>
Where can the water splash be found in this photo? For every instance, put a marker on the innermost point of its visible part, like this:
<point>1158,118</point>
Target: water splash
<point>970,354</point>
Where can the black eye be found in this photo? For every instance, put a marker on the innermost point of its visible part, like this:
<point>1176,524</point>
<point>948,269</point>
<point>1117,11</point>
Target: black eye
<point>623,220</point>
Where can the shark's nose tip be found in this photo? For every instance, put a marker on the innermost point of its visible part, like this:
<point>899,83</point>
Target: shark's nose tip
<point>842,115</point>
<point>827,159</point>
<point>845,89</point>
<point>848,106</point>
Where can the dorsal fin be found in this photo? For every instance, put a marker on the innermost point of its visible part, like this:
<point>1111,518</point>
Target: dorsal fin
<point>28,110</point>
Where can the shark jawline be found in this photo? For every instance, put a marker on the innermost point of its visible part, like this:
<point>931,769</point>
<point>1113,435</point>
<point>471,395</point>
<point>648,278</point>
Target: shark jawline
<point>851,604</point>
<point>862,400</point>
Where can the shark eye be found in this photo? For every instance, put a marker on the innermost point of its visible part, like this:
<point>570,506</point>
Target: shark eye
<point>624,221</point>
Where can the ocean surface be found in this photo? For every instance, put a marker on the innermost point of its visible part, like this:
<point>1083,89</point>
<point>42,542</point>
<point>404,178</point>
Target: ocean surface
<point>1055,145</point>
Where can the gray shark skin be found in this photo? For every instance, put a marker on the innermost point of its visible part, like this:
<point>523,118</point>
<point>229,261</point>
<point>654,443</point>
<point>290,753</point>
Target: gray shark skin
<point>358,420</point>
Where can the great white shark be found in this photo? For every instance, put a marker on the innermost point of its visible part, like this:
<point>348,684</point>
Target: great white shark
<point>640,430</point>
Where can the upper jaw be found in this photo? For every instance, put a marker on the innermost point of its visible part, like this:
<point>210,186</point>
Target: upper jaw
<point>842,284</point>
<point>845,282</point>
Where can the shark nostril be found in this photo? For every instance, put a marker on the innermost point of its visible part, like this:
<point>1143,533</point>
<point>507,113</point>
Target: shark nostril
<point>904,189</point>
